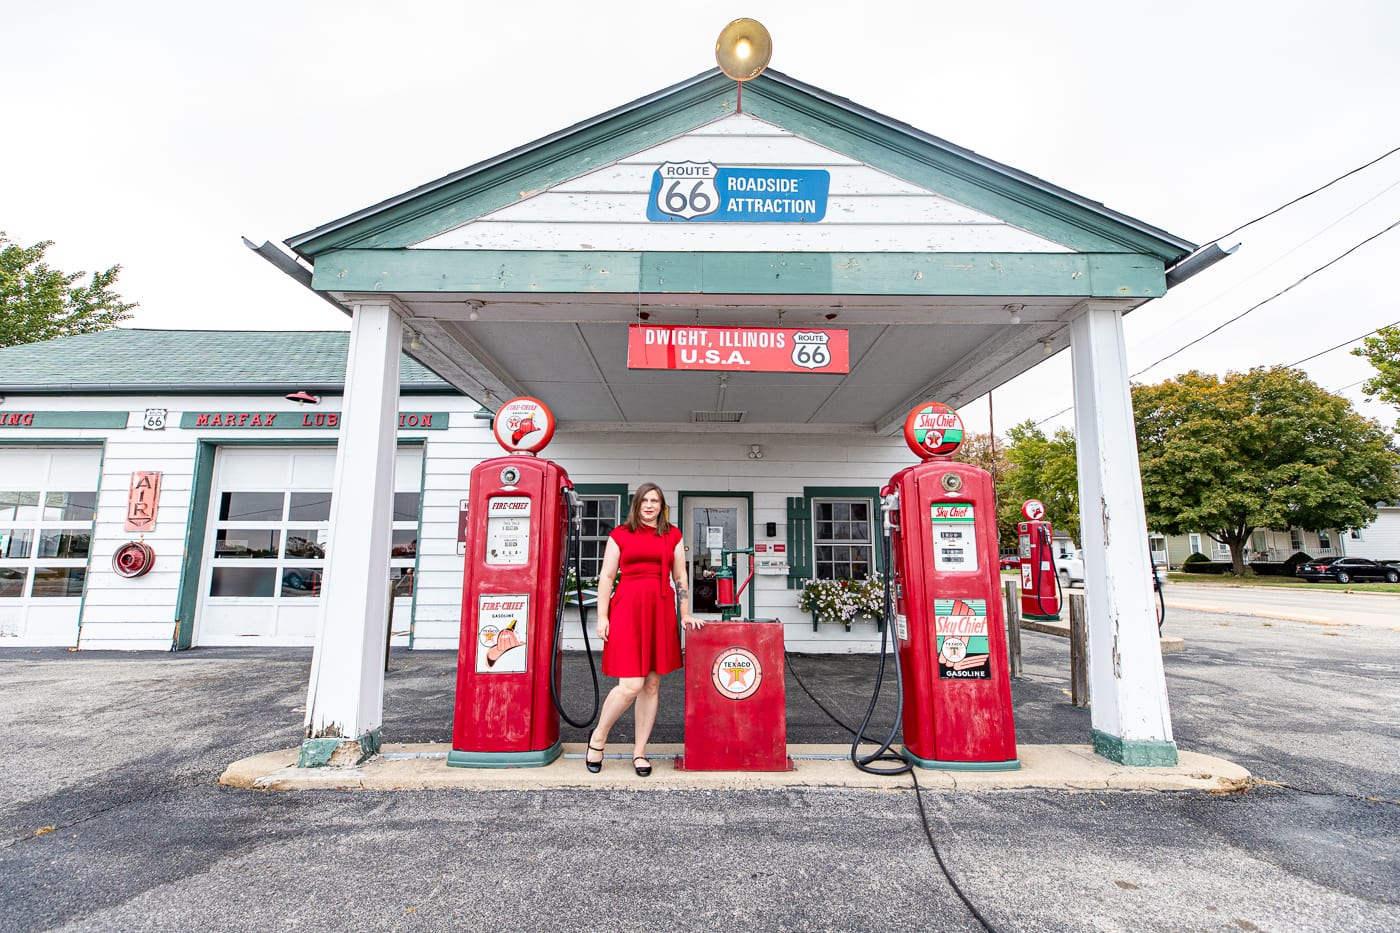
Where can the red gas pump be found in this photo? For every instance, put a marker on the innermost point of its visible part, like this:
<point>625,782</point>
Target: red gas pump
<point>1040,595</point>
<point>518,518</point>
<point>949,622</point>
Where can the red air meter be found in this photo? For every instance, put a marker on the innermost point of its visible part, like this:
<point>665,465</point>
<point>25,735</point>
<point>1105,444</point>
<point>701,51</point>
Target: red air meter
<point>517,524</point>
<point>949,621</point>
<point>1040,598</point>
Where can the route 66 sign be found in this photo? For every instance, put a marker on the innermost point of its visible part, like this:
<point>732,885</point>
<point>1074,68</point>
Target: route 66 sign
<point>809,349</point>
<point>687,189</point>
<point>155,419</point>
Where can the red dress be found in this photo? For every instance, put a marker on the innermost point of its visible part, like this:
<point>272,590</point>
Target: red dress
<point>642,629</point>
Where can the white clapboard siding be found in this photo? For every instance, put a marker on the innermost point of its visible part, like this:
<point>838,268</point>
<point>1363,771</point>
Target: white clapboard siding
<point>868,210</point>
<point>1379,540</point>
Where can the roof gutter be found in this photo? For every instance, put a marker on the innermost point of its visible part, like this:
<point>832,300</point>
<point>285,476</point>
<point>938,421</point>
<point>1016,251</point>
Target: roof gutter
<point>292,268</point>
<point>1198,262</point>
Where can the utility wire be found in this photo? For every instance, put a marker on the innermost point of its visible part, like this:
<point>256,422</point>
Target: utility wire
<point>1303,196</point>
<point>1261,304</point>
<point>1344,344</point>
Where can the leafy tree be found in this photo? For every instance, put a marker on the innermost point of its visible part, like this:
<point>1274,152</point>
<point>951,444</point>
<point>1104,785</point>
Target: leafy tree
<point>40,303</point>
<point>1383,351</point>
<point>1264,449</point>
<point>1043,468</point>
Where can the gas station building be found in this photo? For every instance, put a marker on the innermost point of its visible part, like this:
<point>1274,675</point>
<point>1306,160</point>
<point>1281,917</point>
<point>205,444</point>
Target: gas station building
<point>741,305</point>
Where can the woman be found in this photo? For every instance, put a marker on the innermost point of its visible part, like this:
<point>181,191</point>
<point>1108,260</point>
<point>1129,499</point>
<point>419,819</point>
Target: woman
<point>637,623</point>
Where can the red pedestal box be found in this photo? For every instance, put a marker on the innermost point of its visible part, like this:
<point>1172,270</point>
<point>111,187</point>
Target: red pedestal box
<point>735,699</point>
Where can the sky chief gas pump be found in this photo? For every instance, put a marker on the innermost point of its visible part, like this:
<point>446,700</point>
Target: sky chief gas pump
<point>1040,596</point>
<point>949,621</point>
<point>521,520</point>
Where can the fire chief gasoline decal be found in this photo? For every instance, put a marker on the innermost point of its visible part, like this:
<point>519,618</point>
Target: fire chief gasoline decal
<point>961,627</point>
<point>736,673</point>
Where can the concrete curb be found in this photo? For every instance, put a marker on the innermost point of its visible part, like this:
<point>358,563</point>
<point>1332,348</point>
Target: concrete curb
<point>424,767</point>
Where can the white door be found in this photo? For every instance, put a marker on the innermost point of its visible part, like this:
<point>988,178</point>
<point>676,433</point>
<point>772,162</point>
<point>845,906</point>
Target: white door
<point>48,500</point>
<point>712,524</point>
<point>265,547</point>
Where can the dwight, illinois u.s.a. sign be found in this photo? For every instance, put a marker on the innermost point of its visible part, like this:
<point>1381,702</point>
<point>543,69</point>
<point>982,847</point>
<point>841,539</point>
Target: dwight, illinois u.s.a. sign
<point>738,349</point>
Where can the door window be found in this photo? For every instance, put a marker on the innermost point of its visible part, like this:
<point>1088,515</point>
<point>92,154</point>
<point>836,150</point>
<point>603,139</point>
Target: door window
<point>45,539</point>
<point>713,525</point>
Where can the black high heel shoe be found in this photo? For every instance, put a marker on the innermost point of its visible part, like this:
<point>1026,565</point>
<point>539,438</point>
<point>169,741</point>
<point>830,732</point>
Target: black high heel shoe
<point>594,766</point>
<point>642,770</point>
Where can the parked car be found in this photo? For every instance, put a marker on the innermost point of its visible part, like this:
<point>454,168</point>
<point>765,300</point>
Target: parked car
<point>1346,569</point>
<point>1070,568</point>
<point>1011,562</point>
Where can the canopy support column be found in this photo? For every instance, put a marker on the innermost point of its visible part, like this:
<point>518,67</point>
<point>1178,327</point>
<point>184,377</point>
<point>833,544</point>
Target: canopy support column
<point>1130,716</point>
<point>345,699</point>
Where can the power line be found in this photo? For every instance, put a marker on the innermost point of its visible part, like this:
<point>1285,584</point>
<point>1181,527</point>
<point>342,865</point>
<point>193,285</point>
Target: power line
<point>1340,345</point>
<point>1304,196</point>
<point>1261,304</point>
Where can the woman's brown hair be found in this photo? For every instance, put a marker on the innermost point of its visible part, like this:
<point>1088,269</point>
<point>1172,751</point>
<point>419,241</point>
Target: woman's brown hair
<point>634,514</point>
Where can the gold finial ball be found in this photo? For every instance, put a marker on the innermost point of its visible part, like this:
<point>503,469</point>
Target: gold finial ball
<point>743,49</point>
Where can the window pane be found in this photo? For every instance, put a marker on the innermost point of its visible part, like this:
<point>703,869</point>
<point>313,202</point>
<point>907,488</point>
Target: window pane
<point>55,543</point>
<point>247,542</point>
<point>405,543</point>
<point>16,542</point>
<point>824,511</point>
<point>841,511</point>
<point>825,531</point>
<point>406,505</point>
<point>310,507</point>
<point>70,506</point>
<point>307,543</point>
<point>301,581</point>
<point>243,581</point>
<point>401,581</point>
<point>12,582</point>
<point>19,505</point>
<point>250,507</point>
<point>58,581</point>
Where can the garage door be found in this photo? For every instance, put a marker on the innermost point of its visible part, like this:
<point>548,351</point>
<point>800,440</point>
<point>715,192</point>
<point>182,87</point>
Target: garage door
<point>48,498</point>
<point>265,548</point>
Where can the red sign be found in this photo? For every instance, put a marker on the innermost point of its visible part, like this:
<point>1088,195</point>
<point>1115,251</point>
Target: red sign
<point>142,500</point>
<point>523,425</point>
<point>738,349</point>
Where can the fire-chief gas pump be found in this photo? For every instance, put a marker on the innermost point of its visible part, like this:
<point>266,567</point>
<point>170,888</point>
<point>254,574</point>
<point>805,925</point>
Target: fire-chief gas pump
<point>521,531</point>
<point>949,621</point>
<point>1040,595</point>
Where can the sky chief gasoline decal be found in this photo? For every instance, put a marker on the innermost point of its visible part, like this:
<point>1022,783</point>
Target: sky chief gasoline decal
<point>708,193</point>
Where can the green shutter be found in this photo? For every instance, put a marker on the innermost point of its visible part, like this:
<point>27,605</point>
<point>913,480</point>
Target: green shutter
<point>799,541</point>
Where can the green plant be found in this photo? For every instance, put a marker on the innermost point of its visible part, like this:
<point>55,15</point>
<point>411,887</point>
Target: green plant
<point>844,600</point>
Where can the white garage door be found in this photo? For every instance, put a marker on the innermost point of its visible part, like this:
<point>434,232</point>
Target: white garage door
<point>47,502</point>
<point>265,548</point>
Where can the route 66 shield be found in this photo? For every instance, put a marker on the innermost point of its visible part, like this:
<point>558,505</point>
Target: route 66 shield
<point>809,349</point>
<point>687,189</point>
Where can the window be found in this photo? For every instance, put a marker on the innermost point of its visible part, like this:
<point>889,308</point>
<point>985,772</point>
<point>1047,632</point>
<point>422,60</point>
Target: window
<point>1324,541</point>
<point>602,505</point>
<point>1295,539</point>
<point>45,540</point>
<point>1195,543</point>
<point>1356,534</point>
<point>842,539</point>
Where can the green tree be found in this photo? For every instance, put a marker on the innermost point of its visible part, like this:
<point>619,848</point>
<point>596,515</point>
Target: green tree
<point>1043,468</point>
<point>40,303</point>
<point>1382,350</point>
<point>1264,449</point>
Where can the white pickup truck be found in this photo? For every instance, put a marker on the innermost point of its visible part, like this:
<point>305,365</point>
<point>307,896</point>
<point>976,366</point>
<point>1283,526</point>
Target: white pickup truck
<point>1070,569</point>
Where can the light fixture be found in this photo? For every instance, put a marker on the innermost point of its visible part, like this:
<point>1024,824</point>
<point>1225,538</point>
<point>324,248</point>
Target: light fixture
<point>830,315</point>
<point>413,341</point>
<point>1048,346</point>
<point>755,451</point>
<point>743,49</point>
<point>1015,312</point>
<point>302,397</point>
<point>475,313</point>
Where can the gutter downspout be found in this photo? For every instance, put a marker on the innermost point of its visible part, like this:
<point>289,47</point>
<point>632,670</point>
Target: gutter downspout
<point>291,267</point>
<point>1195,263</point>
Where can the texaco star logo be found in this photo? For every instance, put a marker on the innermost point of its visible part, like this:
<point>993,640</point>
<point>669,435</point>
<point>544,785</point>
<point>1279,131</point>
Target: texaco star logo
<point>736,673</point>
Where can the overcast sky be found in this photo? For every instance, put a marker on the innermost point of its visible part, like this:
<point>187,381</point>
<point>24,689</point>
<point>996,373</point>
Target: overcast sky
<point>155,134</point>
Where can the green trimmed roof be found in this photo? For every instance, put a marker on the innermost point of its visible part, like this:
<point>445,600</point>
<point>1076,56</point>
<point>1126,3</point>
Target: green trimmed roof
<point>119,362</point>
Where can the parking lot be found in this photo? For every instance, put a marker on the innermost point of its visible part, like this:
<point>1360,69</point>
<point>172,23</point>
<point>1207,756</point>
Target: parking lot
<point>110,817</point>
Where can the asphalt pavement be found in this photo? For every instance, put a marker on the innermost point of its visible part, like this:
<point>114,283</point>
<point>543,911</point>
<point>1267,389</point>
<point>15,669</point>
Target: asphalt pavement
<point>111,817</point>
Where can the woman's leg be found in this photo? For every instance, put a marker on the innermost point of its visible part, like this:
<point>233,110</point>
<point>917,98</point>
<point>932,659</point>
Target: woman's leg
<point>616,703</point>
<point>647,702</point>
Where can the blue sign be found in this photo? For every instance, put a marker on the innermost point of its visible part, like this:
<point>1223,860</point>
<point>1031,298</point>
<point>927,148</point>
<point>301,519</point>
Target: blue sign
<point>704,192</point>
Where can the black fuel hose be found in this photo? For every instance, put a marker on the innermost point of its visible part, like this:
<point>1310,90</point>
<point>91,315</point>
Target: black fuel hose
<point>573,554</point>
<point>883,753</point>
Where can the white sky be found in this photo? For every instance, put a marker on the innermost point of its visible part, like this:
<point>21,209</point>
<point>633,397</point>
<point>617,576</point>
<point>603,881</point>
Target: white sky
<point>155,134</point>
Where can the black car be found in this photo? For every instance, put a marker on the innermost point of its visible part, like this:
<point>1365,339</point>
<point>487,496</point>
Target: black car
<point>1346,569</point>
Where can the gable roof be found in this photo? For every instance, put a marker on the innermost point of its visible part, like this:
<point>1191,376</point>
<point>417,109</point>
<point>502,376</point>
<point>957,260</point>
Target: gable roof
<point>895,147</point>
<point>127,360</point>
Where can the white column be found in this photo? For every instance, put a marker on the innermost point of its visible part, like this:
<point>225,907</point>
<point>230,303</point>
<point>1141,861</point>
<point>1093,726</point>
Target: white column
<point>345,700</point>
<point>1130,716</point>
